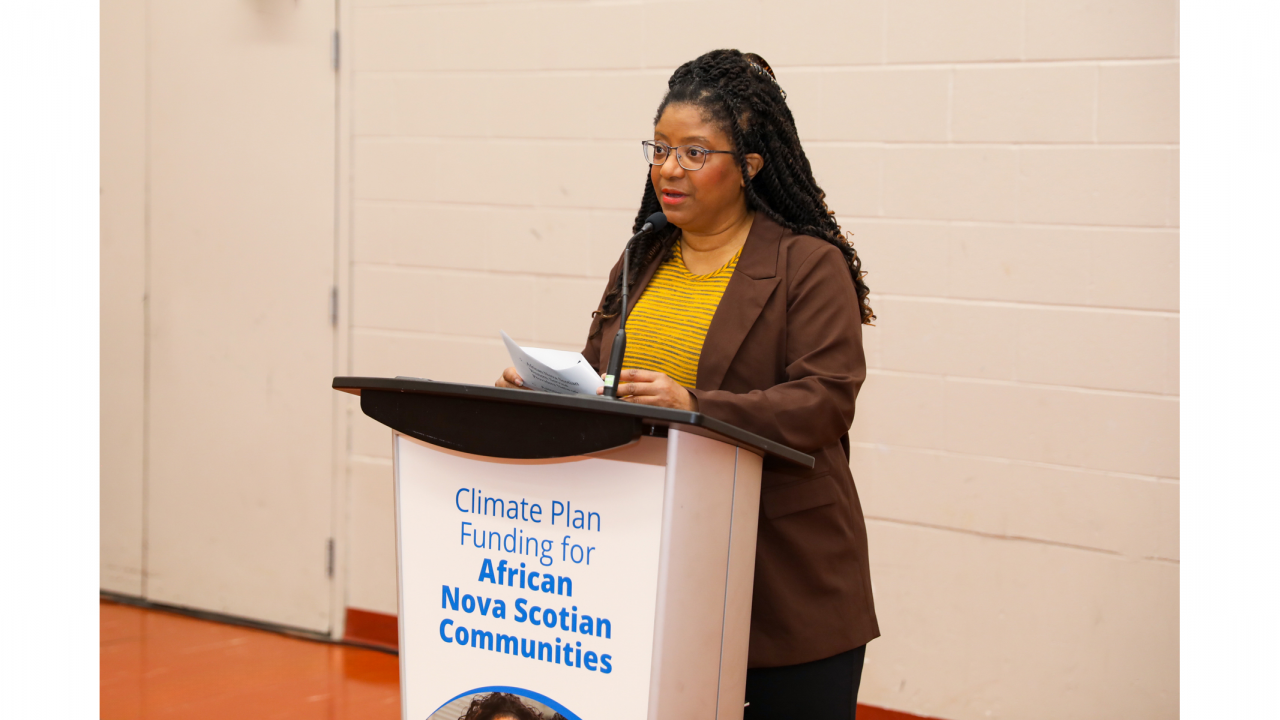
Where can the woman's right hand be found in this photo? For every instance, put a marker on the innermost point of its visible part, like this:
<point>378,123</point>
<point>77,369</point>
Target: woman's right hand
<point>511,379</point>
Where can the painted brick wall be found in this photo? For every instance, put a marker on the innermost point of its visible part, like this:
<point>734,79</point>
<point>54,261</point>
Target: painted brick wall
<point>1009,171</point>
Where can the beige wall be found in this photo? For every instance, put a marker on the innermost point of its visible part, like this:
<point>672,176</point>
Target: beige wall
<point>1009,171</point>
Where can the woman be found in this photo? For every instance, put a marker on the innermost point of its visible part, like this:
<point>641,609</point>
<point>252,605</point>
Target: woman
<point>750,306</point>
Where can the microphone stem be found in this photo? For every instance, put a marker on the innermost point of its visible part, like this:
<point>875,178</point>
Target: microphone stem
<point>626,273</point>
<point>656,221</point>
<point>612,373</point>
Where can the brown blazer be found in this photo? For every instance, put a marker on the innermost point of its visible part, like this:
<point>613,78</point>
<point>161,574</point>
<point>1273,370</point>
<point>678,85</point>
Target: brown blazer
<point>783,359</point>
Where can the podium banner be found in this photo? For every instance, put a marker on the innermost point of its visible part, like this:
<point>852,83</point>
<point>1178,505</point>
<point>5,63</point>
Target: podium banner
<point>537,578</point>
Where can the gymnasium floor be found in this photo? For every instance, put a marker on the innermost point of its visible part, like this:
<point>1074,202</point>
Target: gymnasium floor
<point>156,665</point>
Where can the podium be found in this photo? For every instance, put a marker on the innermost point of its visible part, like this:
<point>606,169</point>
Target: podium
<point>593,557</point>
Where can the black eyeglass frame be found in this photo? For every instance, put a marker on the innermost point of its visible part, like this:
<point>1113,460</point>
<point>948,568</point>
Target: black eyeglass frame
<point>646,144</point>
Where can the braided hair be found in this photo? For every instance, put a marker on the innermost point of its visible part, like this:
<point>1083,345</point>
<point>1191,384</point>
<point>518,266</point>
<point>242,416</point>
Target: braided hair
<point>499,705</point>
<point>739,92</point>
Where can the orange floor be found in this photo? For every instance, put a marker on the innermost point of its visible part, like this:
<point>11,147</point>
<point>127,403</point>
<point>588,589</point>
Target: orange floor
<point>156,664</point>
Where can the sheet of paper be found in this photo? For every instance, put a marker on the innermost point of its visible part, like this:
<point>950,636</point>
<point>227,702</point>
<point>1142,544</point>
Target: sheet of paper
<point>557,371</point>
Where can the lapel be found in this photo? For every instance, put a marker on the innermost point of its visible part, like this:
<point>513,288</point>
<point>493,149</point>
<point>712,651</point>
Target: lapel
<point>610,327</point>
<point>753,281</point>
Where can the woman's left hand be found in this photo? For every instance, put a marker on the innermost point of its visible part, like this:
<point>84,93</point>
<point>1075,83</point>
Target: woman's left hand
<point>646,387</point>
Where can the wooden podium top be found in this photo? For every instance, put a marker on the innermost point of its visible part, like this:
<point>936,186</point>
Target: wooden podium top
<point>524,424</point>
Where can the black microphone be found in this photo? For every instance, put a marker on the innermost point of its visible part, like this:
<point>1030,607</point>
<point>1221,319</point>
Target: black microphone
<point>653,223</point>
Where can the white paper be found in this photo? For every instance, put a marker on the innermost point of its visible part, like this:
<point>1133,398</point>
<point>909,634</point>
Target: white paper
<point>557,371</point>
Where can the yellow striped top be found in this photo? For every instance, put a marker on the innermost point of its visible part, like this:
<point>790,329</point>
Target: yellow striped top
<point>668,325</point>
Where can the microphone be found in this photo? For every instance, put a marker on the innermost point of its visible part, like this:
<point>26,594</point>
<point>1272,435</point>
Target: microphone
<point>653,223</point>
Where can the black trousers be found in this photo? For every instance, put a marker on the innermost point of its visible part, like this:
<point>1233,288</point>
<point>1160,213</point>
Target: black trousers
<point>820,690</point>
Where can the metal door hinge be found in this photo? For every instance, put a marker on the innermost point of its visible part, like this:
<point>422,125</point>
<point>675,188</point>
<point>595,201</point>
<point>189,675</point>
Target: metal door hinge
<point>336,48</point>
<point>329,564</point>
<point>333,306</point>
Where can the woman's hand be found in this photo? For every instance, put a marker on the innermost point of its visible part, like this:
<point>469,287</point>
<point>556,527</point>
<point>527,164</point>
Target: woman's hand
<point>646,387</point>
<point>511,379</point>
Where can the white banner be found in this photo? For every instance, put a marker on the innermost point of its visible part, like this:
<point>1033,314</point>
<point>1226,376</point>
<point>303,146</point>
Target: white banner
<point>535,578</point>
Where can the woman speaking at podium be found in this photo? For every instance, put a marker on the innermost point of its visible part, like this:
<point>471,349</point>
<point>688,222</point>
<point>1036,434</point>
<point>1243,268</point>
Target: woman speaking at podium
<point>750,306</point>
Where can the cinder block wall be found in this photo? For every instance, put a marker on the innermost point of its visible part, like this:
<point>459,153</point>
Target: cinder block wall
<point>1009,171</point>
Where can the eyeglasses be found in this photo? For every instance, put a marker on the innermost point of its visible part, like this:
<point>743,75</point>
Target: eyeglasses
<point>690,157</point>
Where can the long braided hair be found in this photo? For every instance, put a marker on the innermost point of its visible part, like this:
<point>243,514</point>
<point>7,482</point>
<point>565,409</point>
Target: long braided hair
<point>738,91</point>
